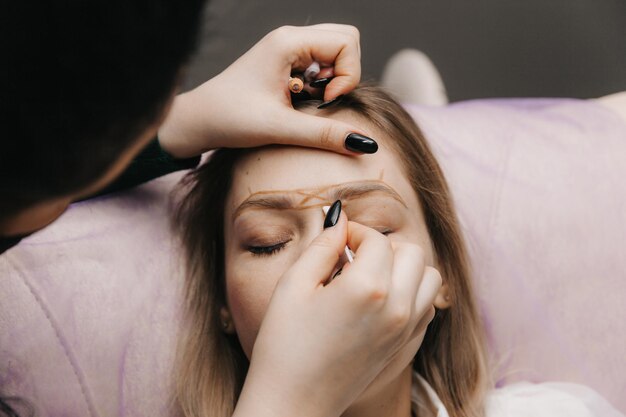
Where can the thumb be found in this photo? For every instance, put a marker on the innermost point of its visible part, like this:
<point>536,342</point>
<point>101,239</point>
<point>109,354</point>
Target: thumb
<point>321,132</point>
<point>316,263</point>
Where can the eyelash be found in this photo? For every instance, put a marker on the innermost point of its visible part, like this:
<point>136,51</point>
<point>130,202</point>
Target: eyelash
<point>267,250</point>
<point>385,232</point>
<point>274,249</point>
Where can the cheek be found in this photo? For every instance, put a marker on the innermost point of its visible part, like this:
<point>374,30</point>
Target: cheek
<point>415,231</point>
<point>248,299</point>
<point>250,283</point>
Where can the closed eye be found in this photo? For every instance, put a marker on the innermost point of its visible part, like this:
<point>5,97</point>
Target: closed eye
<point>267,250</point>
<point>383,230</point>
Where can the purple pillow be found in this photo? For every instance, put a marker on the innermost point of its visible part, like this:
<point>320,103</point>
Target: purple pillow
<point>539,186</point>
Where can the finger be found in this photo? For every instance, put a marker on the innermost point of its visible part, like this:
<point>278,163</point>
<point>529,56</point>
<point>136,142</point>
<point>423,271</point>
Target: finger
<point>335,27</point>
<point>316,263</point>
<point>344,65</point>
<point>422,326</point>
<point>317,86</point>
<point>408,269</point>
<point>360,237</point>
<point>428,289</point>
<point>326,72</point>
<point>321,132</point>
<point>347,76</point>
<point>373,257</point>
<point>424,307</point>
<point>346,29</point>
<point>337,48</point>
<point>314,93</point>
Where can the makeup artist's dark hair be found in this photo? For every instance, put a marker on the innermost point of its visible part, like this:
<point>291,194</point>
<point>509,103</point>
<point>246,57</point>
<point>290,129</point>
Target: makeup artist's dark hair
<point>212,365</point>
<point>80,81</point>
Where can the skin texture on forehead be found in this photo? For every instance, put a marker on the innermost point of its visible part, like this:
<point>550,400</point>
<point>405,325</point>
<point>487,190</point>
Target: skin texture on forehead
<point>293,169</point>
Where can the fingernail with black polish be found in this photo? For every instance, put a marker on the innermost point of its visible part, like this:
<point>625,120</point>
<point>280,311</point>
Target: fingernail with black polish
<point>359,143</point>
<point>329,102</point>
<point>321,82</point>
<point>301,96</point>
<point>333,214</point>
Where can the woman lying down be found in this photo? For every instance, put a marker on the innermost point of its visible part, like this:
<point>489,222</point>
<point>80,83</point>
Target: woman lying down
<point>269,202</point>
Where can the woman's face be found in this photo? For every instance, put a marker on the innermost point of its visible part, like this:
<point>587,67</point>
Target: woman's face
<point>274,211</point>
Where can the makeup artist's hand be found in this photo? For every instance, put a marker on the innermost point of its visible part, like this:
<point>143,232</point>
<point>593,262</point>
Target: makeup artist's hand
<point>249,103</point>
<point>319,347</point>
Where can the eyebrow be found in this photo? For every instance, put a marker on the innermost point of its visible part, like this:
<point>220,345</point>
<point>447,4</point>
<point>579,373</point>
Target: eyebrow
<point>286,199</point>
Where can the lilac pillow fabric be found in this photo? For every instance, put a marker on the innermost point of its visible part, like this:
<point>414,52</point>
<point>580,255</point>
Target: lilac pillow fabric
<point>90,307</point>
<point>540,189</point>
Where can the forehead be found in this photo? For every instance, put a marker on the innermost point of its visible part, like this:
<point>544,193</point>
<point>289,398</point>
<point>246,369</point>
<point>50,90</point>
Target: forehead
<point>289,168</point>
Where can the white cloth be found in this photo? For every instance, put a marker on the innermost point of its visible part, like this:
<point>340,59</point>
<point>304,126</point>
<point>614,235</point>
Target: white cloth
<point>524,399</point>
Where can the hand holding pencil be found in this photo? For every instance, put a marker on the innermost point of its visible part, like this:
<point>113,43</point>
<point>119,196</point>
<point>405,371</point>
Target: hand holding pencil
<point>235,109</point>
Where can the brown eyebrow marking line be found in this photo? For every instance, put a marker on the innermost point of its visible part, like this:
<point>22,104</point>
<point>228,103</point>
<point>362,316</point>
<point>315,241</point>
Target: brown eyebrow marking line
<point>281,201</point>
<point>307,196</point>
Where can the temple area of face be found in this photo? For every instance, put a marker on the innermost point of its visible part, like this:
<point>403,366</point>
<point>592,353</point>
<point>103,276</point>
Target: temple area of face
<point>298,199</point>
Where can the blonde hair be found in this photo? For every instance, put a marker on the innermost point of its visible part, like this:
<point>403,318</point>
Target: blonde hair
<point>212,365</point>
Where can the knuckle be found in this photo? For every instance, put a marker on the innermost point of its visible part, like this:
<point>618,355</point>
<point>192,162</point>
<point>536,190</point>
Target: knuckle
<point>355,32</point>
<point>399,317</point>
<point>280,34</point>
<point>410,250</point>
<point>370,237</point>
<point>326,135</point>
<point>284,30</point>
<point>376,236</point>
<point>373,292</point>
<point>323,242</point>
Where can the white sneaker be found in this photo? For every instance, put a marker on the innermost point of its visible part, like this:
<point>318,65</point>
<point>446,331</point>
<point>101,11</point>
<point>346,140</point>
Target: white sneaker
<point>412,78</point>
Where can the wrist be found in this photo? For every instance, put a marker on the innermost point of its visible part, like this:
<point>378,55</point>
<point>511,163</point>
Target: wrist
<point>247,407</point>
<point>262,398</point>
<point>186,130</point>
<point>171,134</point>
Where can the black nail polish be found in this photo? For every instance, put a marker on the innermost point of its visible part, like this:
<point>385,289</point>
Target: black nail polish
<point>329,102</point>
<point>301,96</point>
<point>319,83</point>
<point>359,143</point>
<point>333,214</point>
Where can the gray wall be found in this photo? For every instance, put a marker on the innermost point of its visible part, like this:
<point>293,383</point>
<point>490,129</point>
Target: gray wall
<point>495,48</point>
